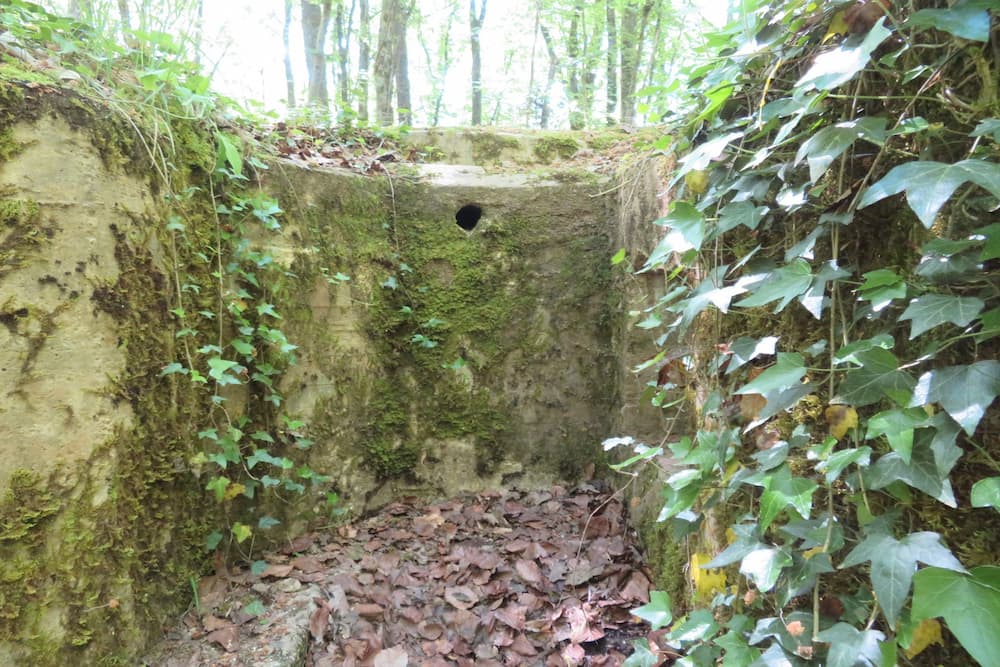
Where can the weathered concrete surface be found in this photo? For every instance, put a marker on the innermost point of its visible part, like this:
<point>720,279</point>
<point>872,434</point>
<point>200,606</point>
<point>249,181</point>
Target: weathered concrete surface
<point>523,303</point>
<point>57,351</point>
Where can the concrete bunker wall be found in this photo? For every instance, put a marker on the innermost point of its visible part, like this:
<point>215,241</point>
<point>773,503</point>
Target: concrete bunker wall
<point>457,357</point>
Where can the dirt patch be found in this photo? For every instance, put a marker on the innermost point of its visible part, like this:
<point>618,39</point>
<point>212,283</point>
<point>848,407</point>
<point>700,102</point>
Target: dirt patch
<point>517,578</point>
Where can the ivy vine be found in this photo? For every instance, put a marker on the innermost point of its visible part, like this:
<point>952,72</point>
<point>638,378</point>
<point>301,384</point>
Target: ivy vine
<point>832,266</point>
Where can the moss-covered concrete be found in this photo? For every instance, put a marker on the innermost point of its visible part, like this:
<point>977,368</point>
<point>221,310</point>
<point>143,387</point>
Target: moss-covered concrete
<point>429,370</point>
<point>101,522</point>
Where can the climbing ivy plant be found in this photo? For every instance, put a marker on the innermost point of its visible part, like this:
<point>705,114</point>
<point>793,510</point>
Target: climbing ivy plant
<point>832,264</point>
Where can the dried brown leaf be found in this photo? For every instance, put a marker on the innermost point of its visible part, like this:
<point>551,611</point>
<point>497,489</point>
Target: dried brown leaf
<point>461,597</point>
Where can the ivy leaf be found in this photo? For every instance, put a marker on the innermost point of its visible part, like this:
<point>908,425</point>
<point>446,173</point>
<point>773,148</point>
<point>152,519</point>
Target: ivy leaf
<point>242,347</point>
<point>699,158</point>
<point>848,352</point>
<point>738,652</point>
<point>838,461</point>
<point>764,566</point>
<point>850,646</point>
<point>813,300</point>
<point>822,148</point>
<point>218,485</point>
<point>928,185</point>
<point>965,392</point>
<point>838,66</point>
<point>893,563</point>
<point>990,126</point>
<point>641,656</point>
<point>787,372</point>
<point>784,283</point>
<point>991,249</point>
<point>657,612</point>
<point>964,20</point>
<point>217,368</point>
<point>879,376</point>
<point>745,349</point>
<point>774,656</point>
<point>897,426</point>
<point>241,532</point>
<point>986,493</point>
<point>173,367</point>
<point>881,287</point>
<point>969,604</point>
<point>687,231</point>
<point>739,213</point>
<point>930,310</point>
<point>782,490</point>
<point>747,540</point>
<point>922,472</point>
<point>711,291</point>
<point>230,151</point>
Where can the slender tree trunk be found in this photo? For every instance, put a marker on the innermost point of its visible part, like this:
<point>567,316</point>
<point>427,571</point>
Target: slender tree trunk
<point>289,74</point>
<point>343,24</point>
<point>315,22</point>
<point>573,66</point>
<point>126,17</point>
<point>438,68</point>
<point>391,34</point>
<point>611,69</point>
<point>549,79</point>
<point>634,21</point>
<point>655,61</point>
<point>364,58</point>
<point>529,113</point>
<point>476,18</point>
<point>403,103</point>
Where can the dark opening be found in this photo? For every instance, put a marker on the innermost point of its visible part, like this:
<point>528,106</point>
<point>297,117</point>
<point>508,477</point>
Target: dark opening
<point>468,216</point>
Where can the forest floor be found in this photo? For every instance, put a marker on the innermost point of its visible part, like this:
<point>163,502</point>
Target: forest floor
<point>543,577</point>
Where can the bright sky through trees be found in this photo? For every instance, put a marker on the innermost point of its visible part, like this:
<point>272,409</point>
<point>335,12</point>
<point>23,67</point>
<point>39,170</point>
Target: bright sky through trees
<point>241,46</point>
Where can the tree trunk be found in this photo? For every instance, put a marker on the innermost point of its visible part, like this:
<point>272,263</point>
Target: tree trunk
<point>364,58</point>
<point>199,30</point>
<point>438,70</point>
<point>611,72</point>
<point>573,67</point>
<point>550,78</point>
<point>634,21</point>
<point>289,74</point>
<point>391,33</point>
<point>403,102</point>
<point>126,17</point>
<point>475,25</point>
<point>343,24</point>
<point>315,22</point>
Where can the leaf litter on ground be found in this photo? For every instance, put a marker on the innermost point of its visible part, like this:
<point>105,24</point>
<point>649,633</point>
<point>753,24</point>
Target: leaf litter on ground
<point>540,577</point>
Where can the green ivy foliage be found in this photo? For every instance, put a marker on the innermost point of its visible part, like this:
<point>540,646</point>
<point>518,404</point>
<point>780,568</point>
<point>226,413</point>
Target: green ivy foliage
<point>832,259</point>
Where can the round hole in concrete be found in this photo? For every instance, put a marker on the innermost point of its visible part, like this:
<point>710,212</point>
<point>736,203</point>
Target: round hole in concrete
<point>468,216</point>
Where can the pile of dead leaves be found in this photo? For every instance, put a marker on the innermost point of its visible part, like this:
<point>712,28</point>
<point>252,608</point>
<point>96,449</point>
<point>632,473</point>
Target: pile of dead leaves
<point>515,578</point>
<point>537,578</point>
<point>356,149</point>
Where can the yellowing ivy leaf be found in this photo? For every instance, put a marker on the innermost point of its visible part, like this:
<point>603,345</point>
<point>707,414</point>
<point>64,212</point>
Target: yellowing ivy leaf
<point>241,532</point>
<point>706,582</point>
<point>927,632</point>
<point>234,490</point>
<point>841,418</point>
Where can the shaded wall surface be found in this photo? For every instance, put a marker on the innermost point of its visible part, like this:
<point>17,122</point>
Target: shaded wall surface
<point>433,357</point>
